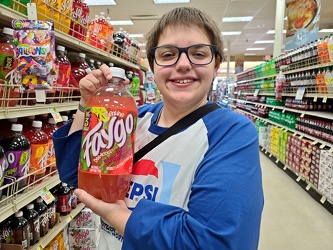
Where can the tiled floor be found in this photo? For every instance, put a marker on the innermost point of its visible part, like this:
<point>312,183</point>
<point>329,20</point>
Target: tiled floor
<point>292,219</point>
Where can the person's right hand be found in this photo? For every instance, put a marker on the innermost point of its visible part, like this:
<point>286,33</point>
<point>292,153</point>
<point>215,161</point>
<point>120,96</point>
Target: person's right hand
<point>93,81</point>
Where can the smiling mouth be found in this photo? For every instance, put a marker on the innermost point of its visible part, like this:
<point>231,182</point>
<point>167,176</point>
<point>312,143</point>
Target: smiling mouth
<point>183,81</point>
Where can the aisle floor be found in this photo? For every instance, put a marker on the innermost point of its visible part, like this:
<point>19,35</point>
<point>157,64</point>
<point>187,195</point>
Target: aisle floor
<point>292,219</point>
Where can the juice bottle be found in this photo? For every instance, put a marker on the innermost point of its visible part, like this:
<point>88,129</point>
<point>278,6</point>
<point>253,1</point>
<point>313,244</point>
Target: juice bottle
<point>51,211</point>
<point>8,64</point>
<point>3,166</point>
<point>64,199</point>
<point>41,209</point>
<point>39,149</point>
<point>104,170</point>
<point>50,161</point>
<point>21,231</point>
<point>91,64</point>
<point>32,217</point>
<point>64,72</point>
<point>17,150</point>
<point>65,10</point>
<point>80,68</point>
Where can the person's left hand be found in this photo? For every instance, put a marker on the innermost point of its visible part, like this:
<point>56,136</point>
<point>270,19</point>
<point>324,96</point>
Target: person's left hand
<point>115,214</point>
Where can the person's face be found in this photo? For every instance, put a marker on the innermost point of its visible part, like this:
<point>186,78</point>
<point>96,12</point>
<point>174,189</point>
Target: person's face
<point>184,84</point>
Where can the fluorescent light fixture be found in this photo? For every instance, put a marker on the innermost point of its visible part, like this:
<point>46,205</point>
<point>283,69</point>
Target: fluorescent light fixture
<point>326,31</point>
<point>255,48</point>
<point>231,33</point>
<point>171,1</point>
<point>122,22</point>
<point>100,2</point>
<point>225,49</point>
<point>272,32</point>
<point>264,41</point>
<point>141,44</point>
<point>249,54</point>
<point>135,35</point>
<point>237,19</point>
<point>143,51</point>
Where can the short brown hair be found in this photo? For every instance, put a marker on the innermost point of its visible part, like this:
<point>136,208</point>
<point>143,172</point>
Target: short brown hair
<point>185,16</point>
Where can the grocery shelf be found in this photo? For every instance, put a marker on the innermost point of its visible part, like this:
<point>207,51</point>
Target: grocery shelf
<point>20,111</point>
<point>305,185</point>
<point>27,197</point>
<point>64,220</point>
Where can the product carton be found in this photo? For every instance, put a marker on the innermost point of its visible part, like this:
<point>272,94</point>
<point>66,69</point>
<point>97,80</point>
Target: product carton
<point>85,219</point>
<point>88,237</point>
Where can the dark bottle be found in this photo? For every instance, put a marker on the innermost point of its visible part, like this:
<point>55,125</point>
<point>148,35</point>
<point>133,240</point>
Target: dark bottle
<point>51,210</point>
<point>33,219</point>
<point>64,199</point>
<point>7,231</point>
<point>21,231</point>
<point>41,209</point>
<point>3,166</point>
<point>73,197</point>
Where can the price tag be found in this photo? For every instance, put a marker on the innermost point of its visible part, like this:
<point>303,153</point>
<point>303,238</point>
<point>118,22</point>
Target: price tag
<point>298,178</point>
<point>315,98</point>
<point>277,161</point>
<point>325,99</point>
<point>300,93</point>
<point>46,195</point>
<point>283,110</point>
<point>55,114</point>
<point>322,146</point>
<point>69,218</point>
<point>308,187</point>
<point>302,115</point>
<point>256,92</point>
<point>314,142</point>
<point>323,199</point>
<point>266,152</point>
<point>285,168</point>
<point>32,11</point>
<point>40,95</point>
<point>270,155</point>
<point>40,247</point>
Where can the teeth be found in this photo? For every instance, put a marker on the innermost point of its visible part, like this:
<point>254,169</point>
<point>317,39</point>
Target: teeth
<point>183,81</point>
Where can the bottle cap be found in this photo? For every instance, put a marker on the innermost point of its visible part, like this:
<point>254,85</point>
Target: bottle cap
<point>91,60</point>
<point>8,31</point>
<point>39,200</point>
<point>82,55</point>
<point>37,124</point>
<point>64,184</point>
<point>30,206</point>
<point>17,127</point>
<point>18,214</point>
<point>51,121</point>
<point>61,48</point>
<point>118,72</point>
<point>64,118</point>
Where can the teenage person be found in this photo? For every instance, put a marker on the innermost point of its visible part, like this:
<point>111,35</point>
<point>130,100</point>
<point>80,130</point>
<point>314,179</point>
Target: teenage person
<point>206,189</point>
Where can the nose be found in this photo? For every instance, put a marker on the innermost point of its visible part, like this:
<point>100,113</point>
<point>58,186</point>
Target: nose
<point>183,62</point>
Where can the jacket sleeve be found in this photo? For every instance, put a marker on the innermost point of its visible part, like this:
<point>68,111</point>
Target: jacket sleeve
<point>67,151</point>
<point>225,204</point>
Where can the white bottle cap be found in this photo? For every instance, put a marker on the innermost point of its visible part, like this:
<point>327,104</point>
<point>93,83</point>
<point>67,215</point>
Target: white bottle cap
<point>37,124</point>
<point>64,184</point>
<point>17,127</point>
<point>64,118</point>
<point>51,121</point>
<point>102,13</point>
<point>73,116</point>
<point>8,31</point>
<point>18,214</point>
<point>98,63</point>
<point>30,206</point>
<point>91,60</point>
<point>61,48</point>
<point>39,200</point>
<point>118,72</point>
<point>82,55</point>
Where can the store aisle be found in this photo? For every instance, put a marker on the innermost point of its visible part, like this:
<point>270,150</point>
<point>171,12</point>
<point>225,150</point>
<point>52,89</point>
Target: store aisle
<point>292,220</point>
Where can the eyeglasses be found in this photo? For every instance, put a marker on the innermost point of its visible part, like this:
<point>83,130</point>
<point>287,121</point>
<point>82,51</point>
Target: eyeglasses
<point>198,54</point>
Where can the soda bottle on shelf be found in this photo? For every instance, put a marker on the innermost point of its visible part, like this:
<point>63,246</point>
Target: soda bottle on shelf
<point>91,64</point>
<point>39,149</point>
<point>8,87</point>
<point>73,197</point>
<point>109,39</point>
<point>64,199</point>
<point>98,64</point>
<point>48,11</point>
<point>77,28</point>
<point>330,47</point>
<point>17,148</point>
<point>41,209</point>
<point>80,68</point>
<point>65,9</point>
<point>51,211</point>
<point>118,43</point>
<point>106,175</point>
<point>50,161</point>
<point>3,166</point>
<point>7,230</point>
<point>64,72</point>
<point>21,231</point>
<point>32,217</point>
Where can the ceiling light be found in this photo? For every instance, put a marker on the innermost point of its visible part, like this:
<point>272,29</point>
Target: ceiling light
<point>264,41</point>
<point>237,19</point>
<point>272,32</point>
<point>326,31</point>
<point>225,49</point>
<point>249,54</point>
<point>100,2</point>
<point>135,35</point>
<point>144,51</point>
<point>122,22</point>
<point>231,33</point>
<point>255,48</point>
<point>171,1</point>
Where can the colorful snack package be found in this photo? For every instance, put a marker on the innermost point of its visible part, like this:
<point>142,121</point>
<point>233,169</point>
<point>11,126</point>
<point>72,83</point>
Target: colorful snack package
<point>34,41</point>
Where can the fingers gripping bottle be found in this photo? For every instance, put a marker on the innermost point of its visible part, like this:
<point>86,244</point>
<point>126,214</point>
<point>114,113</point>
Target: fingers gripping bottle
<point>107,145</point>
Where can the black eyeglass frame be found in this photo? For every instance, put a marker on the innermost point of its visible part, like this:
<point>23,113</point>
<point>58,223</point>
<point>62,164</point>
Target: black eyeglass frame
<point>181,50</point>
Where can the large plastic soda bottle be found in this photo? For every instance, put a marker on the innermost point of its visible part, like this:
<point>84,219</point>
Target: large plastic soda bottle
<point>107,145</point>
<point>42,211</point>
<point>65,9</point>
<point>48,11</point>
<point>21,231</point>
<point>80,14</point>
<point>8,64</point>
<point>33,220</point>
<point>80,69</point>
<point>51,161</point>
<point>39,149</point>
<point>64,71</point>
<point>17,150</point>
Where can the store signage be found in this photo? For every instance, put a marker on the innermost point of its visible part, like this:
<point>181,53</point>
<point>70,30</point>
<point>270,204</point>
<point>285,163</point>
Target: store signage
<point>303,22</point>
